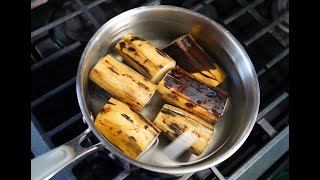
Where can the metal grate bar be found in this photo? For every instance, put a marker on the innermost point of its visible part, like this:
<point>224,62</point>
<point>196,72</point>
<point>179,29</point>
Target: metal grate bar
<point>259,73</point>
<point>200,5</point>
<point>36,3</point>
<point>194,8</point>
<point>151,3</point>
<point>274,175</point>
<point>64,124</point>
<point>197,6</point>
<point>207,1</point>
<point>55,56</point>
<point>63,19</point>
<point>266,126</point>
<point>186,176</point>
<point>264,158</point>
<point>39,37</point>
<point>264,30</point>
<point>125,173</point>
<point>33,59</point>
<point>283,40</point>
<point>242,11</point>
<point>217,173</point>
<point>277,58</point>
<point>90,17</point>
<point>53,92</point>
<point>274,61</point>
<point>254,13</point>
<point>272,105</point>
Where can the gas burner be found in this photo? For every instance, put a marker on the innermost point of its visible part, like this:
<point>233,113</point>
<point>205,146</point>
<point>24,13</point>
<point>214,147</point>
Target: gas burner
<point>79,28</point>
<point>280,7</point>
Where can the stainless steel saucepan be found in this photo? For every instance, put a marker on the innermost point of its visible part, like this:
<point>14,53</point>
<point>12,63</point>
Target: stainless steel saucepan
<point>161,25</point>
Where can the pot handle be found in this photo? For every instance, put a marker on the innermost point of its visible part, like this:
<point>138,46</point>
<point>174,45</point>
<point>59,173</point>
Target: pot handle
<point>48,164</point>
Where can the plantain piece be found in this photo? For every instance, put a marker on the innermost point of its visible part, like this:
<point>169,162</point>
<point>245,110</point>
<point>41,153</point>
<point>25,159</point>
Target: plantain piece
<point>217,95</point>
<point>144,57</point>
<point>122,82</point>
<point>125,128</point>
<point>184,95</point>
<point>192,58</point>
<point>174,122</point>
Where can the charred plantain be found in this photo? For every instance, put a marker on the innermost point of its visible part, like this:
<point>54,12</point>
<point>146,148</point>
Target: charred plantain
<point>122,82</point>
<point>144,57</point>
<point>125,128</point>
<point>191,57</point>
<point>180,89</point>
<point>174,122</point>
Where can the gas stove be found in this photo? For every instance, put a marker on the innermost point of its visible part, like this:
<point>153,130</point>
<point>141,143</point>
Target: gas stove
<point>60,30</point>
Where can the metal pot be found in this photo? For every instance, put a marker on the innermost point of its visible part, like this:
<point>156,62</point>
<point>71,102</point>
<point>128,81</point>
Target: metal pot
<point>162,24</point>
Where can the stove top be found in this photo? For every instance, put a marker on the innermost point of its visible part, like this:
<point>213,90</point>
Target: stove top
<point>60,30</point>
